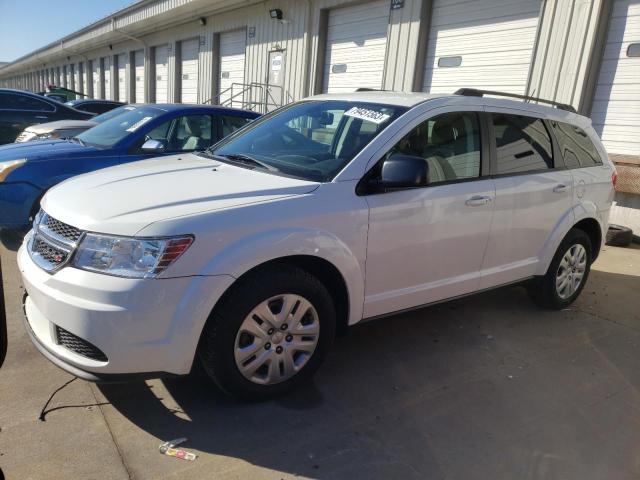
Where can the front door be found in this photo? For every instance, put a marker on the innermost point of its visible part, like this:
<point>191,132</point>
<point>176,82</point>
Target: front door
<point>427,244</point>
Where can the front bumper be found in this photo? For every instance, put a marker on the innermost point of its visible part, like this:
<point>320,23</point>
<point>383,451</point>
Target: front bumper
<point>145,327</point>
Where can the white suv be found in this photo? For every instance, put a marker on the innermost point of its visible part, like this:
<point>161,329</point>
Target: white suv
<point>327,212</point>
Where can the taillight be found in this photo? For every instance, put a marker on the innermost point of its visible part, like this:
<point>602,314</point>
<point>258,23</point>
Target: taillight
<point>614,178</point>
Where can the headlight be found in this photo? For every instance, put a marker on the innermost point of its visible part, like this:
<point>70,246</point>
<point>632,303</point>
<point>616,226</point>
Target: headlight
<point>129,257</point>
<point>7,167</point>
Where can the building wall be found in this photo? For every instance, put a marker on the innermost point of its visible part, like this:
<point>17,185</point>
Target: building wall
<point>563,67</point>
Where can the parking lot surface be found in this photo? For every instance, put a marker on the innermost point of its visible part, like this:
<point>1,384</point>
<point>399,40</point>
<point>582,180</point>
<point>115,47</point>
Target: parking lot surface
<point>486,387</point>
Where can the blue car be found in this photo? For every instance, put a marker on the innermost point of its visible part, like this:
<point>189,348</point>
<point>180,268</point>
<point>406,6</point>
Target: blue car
<point>28,170</point>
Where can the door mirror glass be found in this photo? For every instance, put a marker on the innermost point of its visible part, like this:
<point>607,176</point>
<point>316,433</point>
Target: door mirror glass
<point>153,146</point>
<point>403,171</point>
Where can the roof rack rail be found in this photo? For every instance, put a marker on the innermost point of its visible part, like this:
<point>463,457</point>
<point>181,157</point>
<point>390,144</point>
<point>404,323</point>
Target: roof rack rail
<point>472,92</point>
<point>368,89</point>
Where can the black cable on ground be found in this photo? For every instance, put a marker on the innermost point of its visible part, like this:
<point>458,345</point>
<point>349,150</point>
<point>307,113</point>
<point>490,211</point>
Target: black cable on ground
<point>43,412</point>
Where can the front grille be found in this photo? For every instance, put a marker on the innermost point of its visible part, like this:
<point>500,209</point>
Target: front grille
<point>57,227</point>
<point>49,253</point>
<point>78,345</point>
<point>52,242</point>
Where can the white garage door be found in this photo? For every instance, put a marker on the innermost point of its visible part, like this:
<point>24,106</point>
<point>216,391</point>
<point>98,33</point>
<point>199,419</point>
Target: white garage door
<point>106,63</point>
<point>71,81</point>
<point>162,74</point>
<point>232,53</point>
<point>189,71</point>
<point>616,104</point>
<point>485,44</point>
<point>95,77</point>
<point>356,47</point>
<point>121,77</point>
<point>139,76</point>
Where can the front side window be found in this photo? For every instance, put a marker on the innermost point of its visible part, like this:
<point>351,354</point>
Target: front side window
<point>449,143</point>
<point>312,140</point>
<point>182,134</point>
<point>577,148</point>
<point>522,144</point>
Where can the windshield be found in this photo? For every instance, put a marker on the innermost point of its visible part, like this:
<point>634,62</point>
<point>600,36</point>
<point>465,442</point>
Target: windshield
<point>103,117</point>
<point>312,140</point>
<point>112,131</point>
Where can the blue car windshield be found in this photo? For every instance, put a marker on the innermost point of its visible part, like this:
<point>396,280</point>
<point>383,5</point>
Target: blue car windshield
<point>103,117</point>
<point>312,140</point>
<point>109,133</point>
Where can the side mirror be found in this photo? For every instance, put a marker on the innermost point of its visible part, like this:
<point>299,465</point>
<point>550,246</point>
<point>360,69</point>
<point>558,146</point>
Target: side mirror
<point>152,146</point>
<point>403,171</point>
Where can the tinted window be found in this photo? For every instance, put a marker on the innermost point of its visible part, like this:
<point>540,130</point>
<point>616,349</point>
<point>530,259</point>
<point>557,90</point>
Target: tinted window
<point>15,101</point>
<point>95,107</point>
<point>449,143</point>
<point>577,148</point>
<point>523,144</point>
<point>313,140</point>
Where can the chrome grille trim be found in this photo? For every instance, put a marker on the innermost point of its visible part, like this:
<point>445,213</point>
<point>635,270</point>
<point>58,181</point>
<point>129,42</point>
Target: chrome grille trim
<point>52,242</point>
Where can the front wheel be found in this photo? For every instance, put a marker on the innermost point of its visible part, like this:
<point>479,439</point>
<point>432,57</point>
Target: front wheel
<point>567,273</point>
<point>269,334</point>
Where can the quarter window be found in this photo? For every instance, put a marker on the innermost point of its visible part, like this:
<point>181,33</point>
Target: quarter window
<point>577,148</point>
<point>522,144</point>
<point>449,143</point>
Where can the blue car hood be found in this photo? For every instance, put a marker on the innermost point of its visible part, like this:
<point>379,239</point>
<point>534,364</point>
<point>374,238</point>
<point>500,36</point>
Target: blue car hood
<point>45,150</point>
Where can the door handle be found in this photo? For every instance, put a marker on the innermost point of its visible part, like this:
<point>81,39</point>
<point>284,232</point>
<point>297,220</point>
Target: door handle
<point>41,117</point>
<point>477,200</point>
<point>560,188</point>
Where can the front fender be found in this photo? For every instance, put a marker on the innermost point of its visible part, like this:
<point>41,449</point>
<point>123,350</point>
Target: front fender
<point>16,201</point>
<point>239,257</point>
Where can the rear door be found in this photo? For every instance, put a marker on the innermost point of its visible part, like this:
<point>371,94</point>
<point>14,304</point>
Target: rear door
<point>533,195</point>
<point>18,111</point>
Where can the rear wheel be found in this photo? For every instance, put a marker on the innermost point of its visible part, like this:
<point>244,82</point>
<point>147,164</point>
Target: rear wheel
<point>567,273</point>
<point>269,334</point>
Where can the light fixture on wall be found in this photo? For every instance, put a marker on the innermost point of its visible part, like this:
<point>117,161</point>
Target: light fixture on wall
<point>110,47</point>
<point>275,13</point>
<point>203,21</point>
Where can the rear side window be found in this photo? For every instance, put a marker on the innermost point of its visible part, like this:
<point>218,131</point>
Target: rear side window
<point>230,124</point>
<point>577,148</point>
<point>522,144</point>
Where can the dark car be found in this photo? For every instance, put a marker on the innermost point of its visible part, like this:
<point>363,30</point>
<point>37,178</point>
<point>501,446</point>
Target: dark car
<point>92,105</point>
<point>28,170</point>
<point>19,109</point>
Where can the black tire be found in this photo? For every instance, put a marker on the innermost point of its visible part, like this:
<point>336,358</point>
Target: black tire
<point>216,348</point>
<point>543,290</point>
<point>619,236</point>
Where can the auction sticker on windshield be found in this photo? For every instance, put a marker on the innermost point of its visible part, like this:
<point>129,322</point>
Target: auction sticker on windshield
<point>366,114</point>
<point>138,124</point>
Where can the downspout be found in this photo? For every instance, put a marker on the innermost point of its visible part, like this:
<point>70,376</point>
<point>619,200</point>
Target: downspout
<point>308,51</point>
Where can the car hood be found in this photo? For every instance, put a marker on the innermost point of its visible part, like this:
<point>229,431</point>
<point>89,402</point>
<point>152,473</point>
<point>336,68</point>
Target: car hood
<point>124,199</point>
<point>44,150</point>
<point>41,128</point>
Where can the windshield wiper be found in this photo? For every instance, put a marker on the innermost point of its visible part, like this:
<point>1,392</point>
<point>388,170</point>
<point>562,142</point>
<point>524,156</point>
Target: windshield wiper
<point>247,159</point>
<point>76,139</point>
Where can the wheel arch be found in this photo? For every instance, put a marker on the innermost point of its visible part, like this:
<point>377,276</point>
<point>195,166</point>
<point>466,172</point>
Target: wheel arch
<point>592,228</point>
<point>322,269</point>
